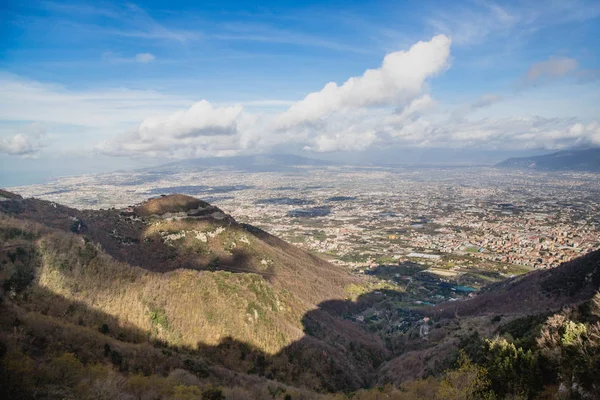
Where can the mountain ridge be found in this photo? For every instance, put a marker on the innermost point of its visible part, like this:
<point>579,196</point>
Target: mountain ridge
<point>566,160</point>
<point>155,290</point>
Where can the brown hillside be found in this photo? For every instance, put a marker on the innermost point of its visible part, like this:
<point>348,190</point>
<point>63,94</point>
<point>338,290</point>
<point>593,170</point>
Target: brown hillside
<point>116,304</point>
<point>191,239</point>
<point>535,295</point>
<point>570,283</point>
<point>173,203</point>
<point>197,283</point>
<point>9,195</point>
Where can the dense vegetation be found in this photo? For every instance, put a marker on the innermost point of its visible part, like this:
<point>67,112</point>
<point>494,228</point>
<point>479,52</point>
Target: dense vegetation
<point>84,315</point>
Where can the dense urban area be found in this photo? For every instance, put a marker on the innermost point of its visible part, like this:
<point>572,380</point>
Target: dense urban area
<point>449,220</point>
<point>429,261</point>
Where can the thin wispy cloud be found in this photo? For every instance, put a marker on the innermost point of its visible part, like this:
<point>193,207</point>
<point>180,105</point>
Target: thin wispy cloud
<point>485,100</point>
<point>556,12</point>
<point>142,58</point>
<point>145,58</point>
<point>474,22</point>
<point>133,21</point>
<point>268,34</point>
<point>27,100</point>
<point>80,9</point>
<point>262,103</point>
<point>555,69</point>
<point>548,70</point>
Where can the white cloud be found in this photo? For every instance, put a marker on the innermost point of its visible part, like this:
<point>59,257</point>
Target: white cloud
<point>387,105</point>
<point>142,58</point>
<point>478,20</point>
<point>110,109</point>
<point>587,134</point>
<point>335,118</point>
<point>383,106</point>
<point>199,120</point>
<point>192,132</point>
<point>397,82</point>
<point>553,68</point>
<point>145,58</point>
<point>26,143</point>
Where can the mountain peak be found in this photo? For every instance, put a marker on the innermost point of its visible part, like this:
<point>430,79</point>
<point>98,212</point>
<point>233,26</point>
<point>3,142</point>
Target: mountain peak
<point>566,160</point>
<point>174,204</point>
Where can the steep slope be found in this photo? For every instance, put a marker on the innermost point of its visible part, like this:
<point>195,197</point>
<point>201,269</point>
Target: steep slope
<point>570,283</point>
<point>515,309</point>
<point>177,231</point>
<point>570,160</point>
<point>172,297</point>
<point>179,273</point>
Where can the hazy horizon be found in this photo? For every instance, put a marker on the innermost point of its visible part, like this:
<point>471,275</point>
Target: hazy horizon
<point>41,170</point>
<point>114,86</point>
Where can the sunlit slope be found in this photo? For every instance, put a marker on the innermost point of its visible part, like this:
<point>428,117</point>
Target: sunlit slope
<point>184,280</point>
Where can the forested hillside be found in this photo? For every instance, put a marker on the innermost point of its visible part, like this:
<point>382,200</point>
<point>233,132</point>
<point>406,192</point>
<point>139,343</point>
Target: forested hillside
<point>174,299</point>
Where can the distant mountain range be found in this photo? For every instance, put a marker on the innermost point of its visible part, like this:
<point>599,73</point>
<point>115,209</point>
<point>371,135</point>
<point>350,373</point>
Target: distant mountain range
<point>567,160</point>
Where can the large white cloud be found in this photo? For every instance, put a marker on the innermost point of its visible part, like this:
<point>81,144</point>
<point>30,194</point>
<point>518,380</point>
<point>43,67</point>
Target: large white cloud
<point>397,82</point>
<point>335,118</point>
<point>198,131</point>
<point>387,105</point>
<point>199,120</point>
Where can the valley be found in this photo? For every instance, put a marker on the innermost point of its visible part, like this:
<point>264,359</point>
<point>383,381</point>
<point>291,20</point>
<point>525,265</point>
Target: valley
<point>306,200</point>
<point>176,290</point>
<point>461,226</point>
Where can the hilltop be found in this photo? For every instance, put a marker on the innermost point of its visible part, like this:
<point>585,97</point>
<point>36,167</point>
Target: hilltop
<point>178,272</point>
<point>568,160</point>
<point>173,298</point>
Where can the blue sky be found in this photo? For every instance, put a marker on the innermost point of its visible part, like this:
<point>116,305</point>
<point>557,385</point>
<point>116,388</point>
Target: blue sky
<point>125,84</point>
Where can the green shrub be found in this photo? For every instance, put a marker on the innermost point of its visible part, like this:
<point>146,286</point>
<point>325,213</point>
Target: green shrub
<point>107,349</point>
<point>468,382</point>
<point>104,329</point>
<point>20,279</point>
<point>65,369</point>
<point>213,394</point>
<point>512,370</point>
<point>116,358</point>
<point>195,368</point>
